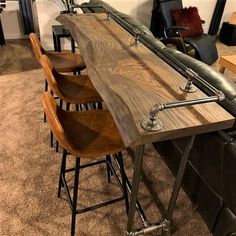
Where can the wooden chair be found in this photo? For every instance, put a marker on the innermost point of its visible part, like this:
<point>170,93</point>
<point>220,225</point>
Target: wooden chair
<point>85,134</point>
<point>75,89</point>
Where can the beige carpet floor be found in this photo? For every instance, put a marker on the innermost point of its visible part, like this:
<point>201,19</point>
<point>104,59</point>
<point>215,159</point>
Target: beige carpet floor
<point>29,175</point>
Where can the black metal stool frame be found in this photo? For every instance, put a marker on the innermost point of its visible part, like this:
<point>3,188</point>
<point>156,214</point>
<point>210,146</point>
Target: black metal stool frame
<point>110,169</point>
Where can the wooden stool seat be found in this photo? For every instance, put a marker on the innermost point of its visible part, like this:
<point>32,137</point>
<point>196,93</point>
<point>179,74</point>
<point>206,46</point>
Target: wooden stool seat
<point>76,89</point>
<point>66,61</point>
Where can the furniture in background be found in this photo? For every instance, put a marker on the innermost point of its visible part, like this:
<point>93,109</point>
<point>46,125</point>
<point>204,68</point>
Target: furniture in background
<point>228,34</point>
<point>182,27</point>
<point>58,32</point>
<point>228,62</point>
<point>147,83</point>
<point>216,18</point>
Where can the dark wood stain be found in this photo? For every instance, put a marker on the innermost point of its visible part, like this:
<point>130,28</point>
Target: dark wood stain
<point>131,79</point>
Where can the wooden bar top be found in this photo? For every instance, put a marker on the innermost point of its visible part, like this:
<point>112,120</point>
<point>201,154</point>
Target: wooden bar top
<point>131,79</point>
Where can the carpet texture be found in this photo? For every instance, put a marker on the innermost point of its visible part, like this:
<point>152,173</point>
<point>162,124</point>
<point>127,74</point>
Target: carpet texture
<point>17,56</point>
<point>29,175</point>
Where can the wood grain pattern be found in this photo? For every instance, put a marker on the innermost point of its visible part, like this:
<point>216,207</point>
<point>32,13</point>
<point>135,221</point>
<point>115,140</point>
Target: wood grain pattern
<point>131,79</point>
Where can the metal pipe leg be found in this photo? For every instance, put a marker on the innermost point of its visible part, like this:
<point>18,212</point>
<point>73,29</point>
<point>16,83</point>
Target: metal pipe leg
<point>135,185</point>
<point>122,172</point>
<point>179,177</point>
<point>62,172</point>
<point>75,193</point>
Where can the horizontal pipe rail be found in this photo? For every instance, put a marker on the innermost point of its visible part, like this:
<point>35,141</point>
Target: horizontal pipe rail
<point>152,124</point>
<point>143,37</point>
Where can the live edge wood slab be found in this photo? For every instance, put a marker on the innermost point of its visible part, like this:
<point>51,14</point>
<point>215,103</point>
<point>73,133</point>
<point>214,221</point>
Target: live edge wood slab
<point>131,79</point>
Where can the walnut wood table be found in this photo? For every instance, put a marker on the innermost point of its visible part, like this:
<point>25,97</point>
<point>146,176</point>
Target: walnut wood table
<point>131,79</point>
<point>228,62</point>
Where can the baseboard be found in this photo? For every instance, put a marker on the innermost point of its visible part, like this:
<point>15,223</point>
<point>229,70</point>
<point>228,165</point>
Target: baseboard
<point>15,36</point>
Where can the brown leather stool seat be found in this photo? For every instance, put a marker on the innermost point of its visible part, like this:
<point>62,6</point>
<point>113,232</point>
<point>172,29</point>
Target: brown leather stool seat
<point>66,61</point>
<point>76,89</point>
<point>62,61</point>
<point>84,134</point>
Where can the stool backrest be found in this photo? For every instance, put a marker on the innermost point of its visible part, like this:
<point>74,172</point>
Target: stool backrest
<point>51,76</point>
<point>37,47</point>
<point>54,113</point>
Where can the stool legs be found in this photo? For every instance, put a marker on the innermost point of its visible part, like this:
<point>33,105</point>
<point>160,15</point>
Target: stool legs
<point>62,172</point>
<point>51,138</point>
<point>73,200</point>
<point>75,193</point>
<point>45,89</point>
<point>109,172</point>
<point>67,106</point>
<point>122,171</point>
<point>100,105</point>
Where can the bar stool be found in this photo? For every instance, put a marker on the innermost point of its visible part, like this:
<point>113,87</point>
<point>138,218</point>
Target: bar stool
<point>62,61</point>
<point>73,89</point>
<point>85,134</point>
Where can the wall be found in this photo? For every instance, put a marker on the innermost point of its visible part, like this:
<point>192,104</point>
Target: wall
<point>11,21</point>
<point>140,9</point>
<point>48,10</point>
<point>207,7</point>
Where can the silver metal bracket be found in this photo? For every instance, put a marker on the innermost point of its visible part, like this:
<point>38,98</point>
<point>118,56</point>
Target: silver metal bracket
<point>154,228</point>
<point>189,87</point>
<point>108,15</point>
<point>152,123</point>
<point>165,225</point>
<point>137,34</point>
